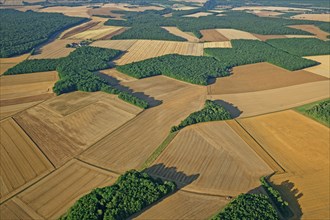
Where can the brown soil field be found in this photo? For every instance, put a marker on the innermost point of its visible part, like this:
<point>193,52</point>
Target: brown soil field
<point>236,34</point>
<point>145,49</point>
<point>223,44</point>
<point>21,91</point>
<point>22,163</point>
<point>66,125</point>
<point>232,167</point>
<point>212,35</point>
<point>52,196</point>
<point>135,141</point>
<point>176,31</point>
<point>79,29</point>
<point>312,29</point>
<point>301,146</point>
<point>103,33</point>
<point>312,17</point>
<point>323,69</point>
<point>114,44</point>
<point>256,103</point>
<point>54,50</point>
<point>198,14</point>
<point>184,205</point>
<point>268,76</point>
<point>106,11</point>
<point>78,11</point>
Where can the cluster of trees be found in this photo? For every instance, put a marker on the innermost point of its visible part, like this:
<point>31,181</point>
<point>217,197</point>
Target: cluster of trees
<point>276,197</point>
<point>321,111</point>
<point>132,192</point>
<point>22,31</point>
<point>302,46</point>
<point>248,206</point>
<point>192,69</point>
<point>32,66</point>
<point>211,112</point>
<point>254,51</point>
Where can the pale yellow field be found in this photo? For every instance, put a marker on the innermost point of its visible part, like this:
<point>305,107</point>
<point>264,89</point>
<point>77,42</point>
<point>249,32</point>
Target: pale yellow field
<point>301,146</point>
<point>261,102</point>
<point>78,11</point>
<point>270,8</point>
<point>198,14</point>
<point>223,44</point>
<point>312,17</point>
<point>6,63</point>
<point>184,205</point>
<point>52,196</point>
<point>118,75</point>
<point>114,44</point>
<point>176,31</point>
<point>128,7</point>
<point>145,49</point>
<point>183,7</point>
<point>323,69</point>
<point>54,50</point>
<point>96,34</point>
<point>5,66</point>
<point>224,163</point>
<point>299,36</point>
<point>266,13</point>
<point>135,141</point>
<point>232,34</point>
<point>22,163</point>
<point>66,125</point>
<point>312,29</point>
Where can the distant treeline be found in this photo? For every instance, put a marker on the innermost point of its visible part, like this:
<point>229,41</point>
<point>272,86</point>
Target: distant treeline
<point>22,31</point>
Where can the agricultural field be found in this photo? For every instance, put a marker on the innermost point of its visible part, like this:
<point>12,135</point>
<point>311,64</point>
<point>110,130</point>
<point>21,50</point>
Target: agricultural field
<point>312,29</point>
<point>123,45</point>
<point>103,33</point>
<point>232,34</point>
<point>323,68</point>
<point>78,11</point>
<point>212,35</point>
<point>74,121</point>
<point>222,44</point>
<point>54,50</point>
<point>198,14</point>
<point>7,63</point>
<point>79,28</point>
<point>176,31</point>
<point>268,76</point>
<point>313,17</point>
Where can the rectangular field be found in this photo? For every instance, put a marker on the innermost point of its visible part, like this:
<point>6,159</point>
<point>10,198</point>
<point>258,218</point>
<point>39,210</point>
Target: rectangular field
<point>22,163</point>
<point>212,35</point>
<point>114,44</point>
<point>233,34</point>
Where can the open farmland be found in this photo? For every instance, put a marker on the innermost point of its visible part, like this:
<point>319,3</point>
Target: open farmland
<point>145,49</point>
<point>74,121</point>
<point>267,13</point>
<point>6,63</point>
<point>198,14</point>
<point>80,28</point>
<point>22,163</point>
<point>255,103</point>
<point>77,11</point>
<point>232,167</point>
<point>22,91</point>
<point>176,31</point>
<point>54,50</point>
<point>52,196</point>
<point>323,68</point>
<point>286,140</point>
<point>118,76</point>
<point>128,7</point>
<point>312,17</point>
<point>312,29</point>
<point>106,11</point>
<point>142,135</point>
<point>270,8</point>
<point>103,33</point>
<point>268,76</point>
<point>232,34</point>
<point>114,44</point>
<point>223,44</point>
<point>212,35</point>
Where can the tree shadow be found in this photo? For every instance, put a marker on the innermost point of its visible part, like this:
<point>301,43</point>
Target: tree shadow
<point>112,81</point>
<point>233,110</point>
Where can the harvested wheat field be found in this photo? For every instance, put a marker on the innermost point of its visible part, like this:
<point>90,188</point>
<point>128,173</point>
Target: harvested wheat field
<point>197,15</point>
<point>223,44</point>
<point>184,205</point>
<point>323,69</point>
<point>145,49</point>
<point>52,196</point>
<point>106,11</point>
<point>54,50</point>
<point>103,33</point>
<point>212,35</point>
<point>180,7</point>
<point>22,163</point>
<point>176,31</point>
<point>128,7</point>
<point>19,92</point>
<point>66,125</point>
<point>268,76</point>
<point>80,28</point>
<point>135,141</point>
<point>312,29</point>
<point>233,34</point>
<point>114,44</point>
<point>121,77</point>
<point>267,13</point>
<point>6,63</point>
<point>267,37</point>
<point>270,8</point>
<point>77,11</point>
<point>5,66</point>
<point>301,146</point>
<point>232,167</point>
<point>312,17</point>
<point>256,103</point>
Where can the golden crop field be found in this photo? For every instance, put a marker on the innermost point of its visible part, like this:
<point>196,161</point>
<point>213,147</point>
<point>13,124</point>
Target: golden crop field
<point>223,44</point>
<point>267,75</point>
<point>74,121</point>
<point>233,34</point>
<point>114,44</point>
<point>212,35</point>
<point>176,31</point>
<point>262,13</point>
<point>51,197</point>
<point>127,7</point>
<point>79,11</point>
<point>6,63</point>
<point>312,17</point>
<point>104,32</point>
<point>323,68</point>
<point>312,29</point>
<point>121,77</point>
<point>22,163</point>
<point>135,141</point>
<point>256,103</point>
<point>198,14</point>
<point>145,49</point>
<point>270,8</point>
<point>301,146</point>
<point>54,50</point>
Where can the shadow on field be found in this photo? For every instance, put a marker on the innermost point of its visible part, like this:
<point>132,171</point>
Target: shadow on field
<point>233,110</point>
<point>116,84</point>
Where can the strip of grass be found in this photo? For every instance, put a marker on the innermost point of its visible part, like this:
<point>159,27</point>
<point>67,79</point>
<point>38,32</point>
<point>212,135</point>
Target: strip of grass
<point>159,150</point>
<point>323,119</point>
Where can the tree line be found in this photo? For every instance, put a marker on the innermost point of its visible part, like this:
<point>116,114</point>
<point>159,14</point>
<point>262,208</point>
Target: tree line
<point>321,111</point>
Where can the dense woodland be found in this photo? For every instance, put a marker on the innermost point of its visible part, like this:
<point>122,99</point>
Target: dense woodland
<point>254,51</point>
<point>320,111</point>
<point>248,206</point>
<point>22,31</point>
<point>32,66</point>
<point>132,192</point>
<point>211,112</point>
<point>192,69</point>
